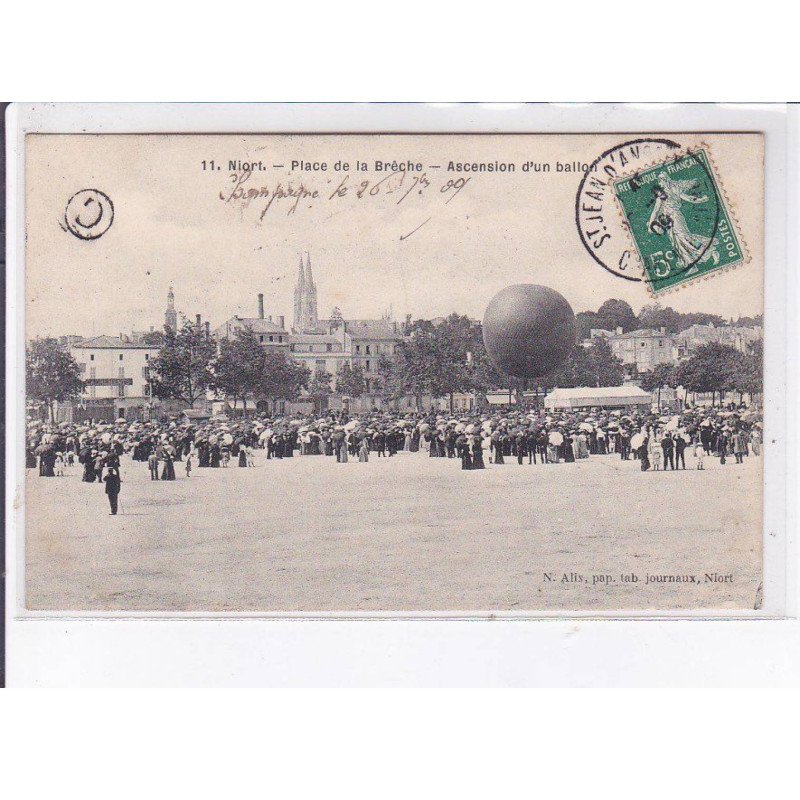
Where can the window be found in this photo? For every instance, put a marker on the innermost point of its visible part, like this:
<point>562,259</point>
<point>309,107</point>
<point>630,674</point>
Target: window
<point>272,338</point>
<point>260,338</point>
<point>121,391</point>
<point>319,365</point>
<point>145,373</point>
<point>147,356</point>
<point>358,349</point>
<point>660,343</point>
<point>280,339</point>
<point>91,357</point>
<point>367,384</point>
<point>291,347</point>
<point>367,365</point>
<point>329,347</point>
<point>121,356</point>
<point>367,349</point>
<point>643,344</point>
<point>122,372</point>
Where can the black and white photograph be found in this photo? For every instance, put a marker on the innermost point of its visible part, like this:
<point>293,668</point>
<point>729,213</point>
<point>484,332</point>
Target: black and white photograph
<point>462,375</point>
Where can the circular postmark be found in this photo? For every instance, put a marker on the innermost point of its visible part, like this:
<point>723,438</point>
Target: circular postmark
<point>89,214</point>
<point>600,226</point>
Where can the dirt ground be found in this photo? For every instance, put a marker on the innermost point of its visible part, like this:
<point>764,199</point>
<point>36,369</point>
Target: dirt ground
<point>408,533</point>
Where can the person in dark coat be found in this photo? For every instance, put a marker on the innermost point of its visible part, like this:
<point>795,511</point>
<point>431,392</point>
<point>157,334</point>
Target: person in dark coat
<point>463,450</point>
<point>87,459</point>
<point>168,473</point>
<point>47,463</point>
<point>214,455</point>
<point>644,456</point>
<point>680,446</point>
<point>242,456</point>
<point>521,446</point>
<point>113,487</point>
<point>477,452</point>
<point>668,446</point>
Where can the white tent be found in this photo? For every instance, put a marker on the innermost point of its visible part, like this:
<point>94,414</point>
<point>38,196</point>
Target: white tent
<point>627,397</point>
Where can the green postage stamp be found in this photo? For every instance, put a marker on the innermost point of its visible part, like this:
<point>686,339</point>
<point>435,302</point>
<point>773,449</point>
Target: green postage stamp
<point>679,222</point>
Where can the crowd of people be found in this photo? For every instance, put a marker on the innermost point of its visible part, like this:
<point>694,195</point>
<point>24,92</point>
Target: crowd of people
<point>475,440</point>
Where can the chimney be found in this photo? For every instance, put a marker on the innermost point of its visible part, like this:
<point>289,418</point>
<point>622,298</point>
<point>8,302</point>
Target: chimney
<point>270,317</point>
<point>280,320</point>
<point>261,306</point>
<point>619,331</point>
<point>208,329</point>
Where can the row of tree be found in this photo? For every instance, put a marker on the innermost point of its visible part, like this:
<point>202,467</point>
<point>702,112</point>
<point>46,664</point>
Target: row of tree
<point>713,368</point>
<point>189,364</point>
<point>433,360</point>
<point>614,314</point>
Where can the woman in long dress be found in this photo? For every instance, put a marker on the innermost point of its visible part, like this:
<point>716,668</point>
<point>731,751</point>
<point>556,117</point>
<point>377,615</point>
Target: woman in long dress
<point>667,219</point>
<point>363,451</point>
<point>477,451</point>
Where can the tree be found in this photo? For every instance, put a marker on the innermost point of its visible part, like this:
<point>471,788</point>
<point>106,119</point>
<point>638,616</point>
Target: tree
<point>656,316</point>
<point>320,388</point>
<point>182,369</point>
<point>239,367</point>
<point>337,320</point>
<point>282,378</point>
<point>433,359</point>
<point>51,373</point>
<point>749,371</point>
<point>389,385</point>
<point>661,375</point>
<point>153,338</point>
<point>615,314</point>
<point>602,365</point>
<point>711,369</point>
<point>350,380</point>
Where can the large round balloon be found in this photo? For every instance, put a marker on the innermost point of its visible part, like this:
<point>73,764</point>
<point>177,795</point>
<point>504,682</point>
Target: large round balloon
<point>528,330</point>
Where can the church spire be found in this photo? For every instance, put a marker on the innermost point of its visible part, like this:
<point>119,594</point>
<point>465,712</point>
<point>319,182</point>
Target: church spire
<point>309,276</point>
<point>170,315</point>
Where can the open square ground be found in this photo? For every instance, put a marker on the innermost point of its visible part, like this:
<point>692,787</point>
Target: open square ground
<point>409,533</point>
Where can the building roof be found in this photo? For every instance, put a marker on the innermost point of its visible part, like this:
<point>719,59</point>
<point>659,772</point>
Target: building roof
<point>256,324</point>
<point>642,333</point>
<point>372,329</point>
<point>598,396</point>
<point>112,343</point>
<point>315,338</point>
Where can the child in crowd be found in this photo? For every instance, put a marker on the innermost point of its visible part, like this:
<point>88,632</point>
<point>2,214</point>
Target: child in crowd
<point>699,454</point>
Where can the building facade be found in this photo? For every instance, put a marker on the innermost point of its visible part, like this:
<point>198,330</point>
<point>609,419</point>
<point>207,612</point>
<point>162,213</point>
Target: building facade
<point>116,379</point>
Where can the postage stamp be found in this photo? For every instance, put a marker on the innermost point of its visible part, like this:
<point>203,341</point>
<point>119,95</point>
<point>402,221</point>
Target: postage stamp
<point>679,221</point>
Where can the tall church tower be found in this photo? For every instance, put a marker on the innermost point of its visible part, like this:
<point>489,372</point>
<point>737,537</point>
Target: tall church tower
<point>171,315</point>
<point>305,299</point>
<point>311,297</point>
<point>299,293</point>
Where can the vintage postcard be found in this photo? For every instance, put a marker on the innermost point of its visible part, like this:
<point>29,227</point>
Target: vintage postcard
<point>457,374</point>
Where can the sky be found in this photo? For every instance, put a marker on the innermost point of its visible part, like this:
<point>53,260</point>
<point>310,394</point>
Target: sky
<point>426,246</point>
